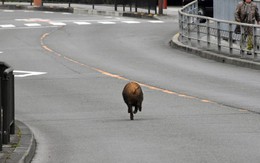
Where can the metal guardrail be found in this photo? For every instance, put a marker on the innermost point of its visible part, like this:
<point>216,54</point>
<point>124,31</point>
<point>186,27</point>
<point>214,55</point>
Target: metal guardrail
<point>7,111</point>
<point>215,34</point>
<point>133,5</point>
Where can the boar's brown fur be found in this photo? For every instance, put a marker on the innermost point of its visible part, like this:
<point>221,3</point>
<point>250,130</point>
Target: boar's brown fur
<point>133,97</point>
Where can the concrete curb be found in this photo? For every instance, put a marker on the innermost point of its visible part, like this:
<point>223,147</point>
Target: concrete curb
<point>96,12</point>
<point>213,56</point>
<point>25,150</point>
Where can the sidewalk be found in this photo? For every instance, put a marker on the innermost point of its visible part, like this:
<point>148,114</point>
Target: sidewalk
<point>108,10</point>
<point>223,57</point>
<point>22,146</point>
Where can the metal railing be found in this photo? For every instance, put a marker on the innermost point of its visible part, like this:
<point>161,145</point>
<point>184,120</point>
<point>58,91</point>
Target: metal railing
<point>7,116</point>
<point>132,5</point>
<point>215,34</point>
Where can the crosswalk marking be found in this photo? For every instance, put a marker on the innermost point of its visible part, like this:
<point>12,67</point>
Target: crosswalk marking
<point>58,23</point>
<point>155,21</point>
<point>82,23</point>
<point>131,22</point>
<point>7,26</point>
<point>32,25</point>
<point>37,22</point>
<point>48,12</point>
<point>107,22</point>
<point>8,10</point>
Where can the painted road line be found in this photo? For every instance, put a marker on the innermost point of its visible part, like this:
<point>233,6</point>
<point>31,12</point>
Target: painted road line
<point>58,23</point>
<point>131,22</point>
<point>32,25</point>
<point>22,74</point>
<point>7,26</point>
<point>8,10</point>
<point>106,22</point>
<point>66,13</point>
<point>82,23</point>
<point>48,12</point>
<point>156,21</point>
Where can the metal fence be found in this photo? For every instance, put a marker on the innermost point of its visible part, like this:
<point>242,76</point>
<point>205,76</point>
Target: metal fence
<point>215,34</point>
<point>7,117</point>
<point>125,5</point>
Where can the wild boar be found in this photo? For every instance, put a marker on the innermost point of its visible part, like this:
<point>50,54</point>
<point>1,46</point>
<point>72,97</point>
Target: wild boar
<point>133,97</point>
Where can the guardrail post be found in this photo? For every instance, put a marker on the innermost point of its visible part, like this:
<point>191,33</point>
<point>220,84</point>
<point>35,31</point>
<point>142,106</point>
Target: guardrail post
<point>198,33</point>
<point>208,34</point>
<point>189,30</point>
<point>230,39</point>
<point>255,42</point>
<point>219,37</point>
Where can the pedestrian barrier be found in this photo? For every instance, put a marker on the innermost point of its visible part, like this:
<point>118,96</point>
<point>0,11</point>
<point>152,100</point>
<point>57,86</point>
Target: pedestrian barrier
<point>215,34</point>
<point>7,117</point>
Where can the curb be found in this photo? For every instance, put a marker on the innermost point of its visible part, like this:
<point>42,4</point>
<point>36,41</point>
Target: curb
<point>42,8</point>
<point>26,147</point>
<point>96,12</point>
<point>175,43</point>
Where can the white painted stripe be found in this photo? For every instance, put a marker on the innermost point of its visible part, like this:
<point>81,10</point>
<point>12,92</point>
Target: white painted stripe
<point>48,12</point>
<point>21,19</point>
<point>1,52</point>
<point>28,11</point>
<point>106,22</point>
<point>22,74</point>
<point>8,10</point>
<point>32,25</point>
<point>155,21</point>
<point>82,23</point>
<point>131,22</point>
<point>7,26</point>
<point>57,23</point>
<point>66,13</point>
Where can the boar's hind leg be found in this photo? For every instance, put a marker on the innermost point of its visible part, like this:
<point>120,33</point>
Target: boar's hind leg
<point>136,109</point>
<point>131,116</point>
<point>129,109</point>
<point>140,107</point>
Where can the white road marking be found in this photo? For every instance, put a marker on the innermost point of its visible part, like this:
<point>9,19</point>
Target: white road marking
<point>22,74</point>
<point>131,22</point>
<point>48,12</point>
<point>66,13</point>
<point>28,11</point>
<point>7,26</point>
<point>58,23</point>
<point>106,22</point>
<point>32,25</point>
<point>155,21</point>
<point>8,10</point>
<point>82,23</point>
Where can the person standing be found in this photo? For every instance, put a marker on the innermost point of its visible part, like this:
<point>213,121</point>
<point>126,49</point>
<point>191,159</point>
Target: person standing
<point>247,12</point>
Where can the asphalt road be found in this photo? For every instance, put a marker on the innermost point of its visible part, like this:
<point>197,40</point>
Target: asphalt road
<point>194,110</point>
